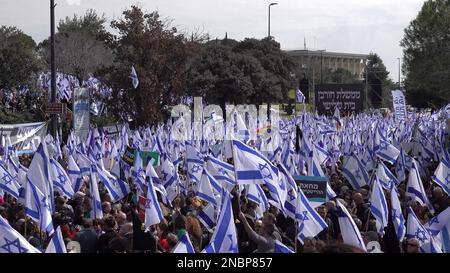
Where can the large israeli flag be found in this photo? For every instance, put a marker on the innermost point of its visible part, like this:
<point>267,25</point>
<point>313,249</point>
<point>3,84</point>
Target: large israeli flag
<point>74,173</point>
<point>221,171</point>
<point>153,212</point>
<point>11,241</point>
<point>205,189</point>
<point>207,216</point>
<point>96,202</point>
<point>195,163</point>
<point>252,167</point>
<point>138,172</point>
<point>439,228</point>
<point>385,176</point>
<point>117,188</point>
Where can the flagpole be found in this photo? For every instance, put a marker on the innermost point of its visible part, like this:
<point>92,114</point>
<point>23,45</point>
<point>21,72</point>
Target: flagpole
<point>295,236</point>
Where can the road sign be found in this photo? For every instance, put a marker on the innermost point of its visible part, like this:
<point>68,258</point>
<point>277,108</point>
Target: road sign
<point>55,108</point>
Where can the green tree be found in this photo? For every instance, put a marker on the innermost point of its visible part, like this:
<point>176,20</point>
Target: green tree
<point>18,57</point>
<point>80,47</point>
<point>160,55</point>
<point>377,79</point>
<point>426,56</point>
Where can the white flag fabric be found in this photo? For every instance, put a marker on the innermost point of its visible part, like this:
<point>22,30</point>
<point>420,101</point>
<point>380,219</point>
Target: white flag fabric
<point>74,173</point>
<point>134,78</point>
<point>8,183</point>
<point>153,212</point>
<point>11,241</point>
<point>37,208</point>
<point>310,223</point>
<point>416,230</point>
<point>397,216</point>
<point>442,176</point>
<point>378,206</point>
<point>60,179</point>
<point>184,245</point>
<point>96,203</point>
<point>56,244</point>
<point>355,172</point>
<point>415,190</point>
<point>349,230</point>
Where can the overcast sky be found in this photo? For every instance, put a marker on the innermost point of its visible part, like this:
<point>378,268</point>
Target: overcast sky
<point>351,26</point>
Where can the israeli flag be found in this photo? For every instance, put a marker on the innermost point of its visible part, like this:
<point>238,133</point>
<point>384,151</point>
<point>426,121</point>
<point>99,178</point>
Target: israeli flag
<point>310,223</point>
<point>290,206</point>
<point>134,77</point>
<point>168,172</point>
<point>11,241</point>
<point>349,231</point>
<point>252,167</point>
<point>96,202</point>
<point>355,172</point>
<point>205,189</point>
<point>256,194</point>
<point>56,244</point>
<point>117,188</point>
<point>403,163</point>
<point>442,176</point>
<point>300,97</point>
<point>195,163</point>
<point>60,179</point>
<point>416,230</point>
<point>415,190</point>
<point>243,133</point>
<point>384,149</point>
<point>138,172</point>
<point>281,248</point>
<point>8,183</point>
<point>378,206</point>
<point>153,212</point>
<point>37,208</point>
<point>184,245</point>
<point>439,228</point>
<point>39,174</point>
<point>330,193</point>
<point>74,173</point>
<point>397,216</point>
<point>150,174</point>
<point>224,238</point>
<point>385,176</point>
<point>207,217</point>
<point>221,171</point>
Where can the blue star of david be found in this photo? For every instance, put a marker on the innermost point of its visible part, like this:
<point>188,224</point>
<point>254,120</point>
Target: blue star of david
<point>447,178</point>
<point>62,178</point>
<point>408,160</point>
<point>233,247</point>
<point>15,243</point>
<point>291,195</point>
<point>434,220</point>
<point>140,172</point>
<point>7,178</point>
<point>164,175</point>
<point>195,168</point>
<point>265,171</point>
<point>420,234</point>
<point>304,216</point>
<point>148,204</point>
<point>394,212</point>
<point>98,157</point>
<point>199,155</point>
<point>44,202</point>
<point>383,145</point>
<point>222,171</point>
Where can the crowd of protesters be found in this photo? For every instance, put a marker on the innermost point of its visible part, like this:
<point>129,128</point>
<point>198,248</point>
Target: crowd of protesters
<point>122,231</point>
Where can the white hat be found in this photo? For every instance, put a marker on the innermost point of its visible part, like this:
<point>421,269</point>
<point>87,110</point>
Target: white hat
<point>73,247</point>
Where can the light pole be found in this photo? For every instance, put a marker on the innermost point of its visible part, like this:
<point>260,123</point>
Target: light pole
<point>271,4</point>
<point>52,65</point>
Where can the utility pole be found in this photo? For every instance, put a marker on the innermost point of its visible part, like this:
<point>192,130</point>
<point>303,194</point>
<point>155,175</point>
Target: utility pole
<point>399,79</point>
<point>271,4</point>
<point>54,122</point>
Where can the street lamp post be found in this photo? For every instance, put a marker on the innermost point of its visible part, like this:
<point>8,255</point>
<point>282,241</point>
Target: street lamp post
<point>321,64</point>
<point>52,65</point>
<point>271,4</point>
